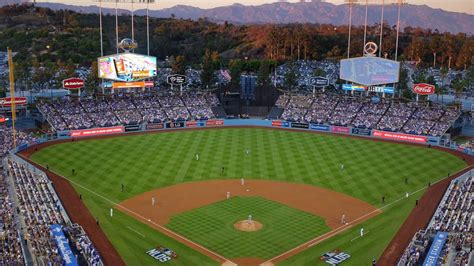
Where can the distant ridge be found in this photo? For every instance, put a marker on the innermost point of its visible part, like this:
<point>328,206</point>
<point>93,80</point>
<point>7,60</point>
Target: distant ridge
<point>315,12</point>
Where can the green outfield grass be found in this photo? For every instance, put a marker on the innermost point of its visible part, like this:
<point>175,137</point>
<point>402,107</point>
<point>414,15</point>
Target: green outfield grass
<point>213,226</point>
<point>145,162</point>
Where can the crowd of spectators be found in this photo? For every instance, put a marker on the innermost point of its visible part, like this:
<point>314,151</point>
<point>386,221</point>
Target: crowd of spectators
<point>346,110</point>
<point>10,246</point>
<point>454,216</point>
<point>39,208</point>
<point>6,139</point>
<point>306,71</point>
<point>83,244</point>
<point>128,109</point>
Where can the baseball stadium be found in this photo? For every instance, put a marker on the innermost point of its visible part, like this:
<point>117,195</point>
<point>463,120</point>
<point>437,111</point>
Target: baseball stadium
<point>142,172</point>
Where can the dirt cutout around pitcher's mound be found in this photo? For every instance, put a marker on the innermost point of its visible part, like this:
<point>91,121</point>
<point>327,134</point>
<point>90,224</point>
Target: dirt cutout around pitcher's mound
<point>176,199</point>
<point>248,226</point>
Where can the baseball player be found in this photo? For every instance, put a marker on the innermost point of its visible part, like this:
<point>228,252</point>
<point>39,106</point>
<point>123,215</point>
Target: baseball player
<point>228,194</point>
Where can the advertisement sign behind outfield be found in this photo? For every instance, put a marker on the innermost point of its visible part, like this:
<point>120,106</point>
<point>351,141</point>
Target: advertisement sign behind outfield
<point>352,87</point>
<point>132,128</point>
<point>73,83</point>
<point>299,125</point>
<point>277,123</point>
<point>337,129</point>
<point>174,124</point>
<point>399,136</point>
<point>320,81</point>
<point>361,131</point>
<point>423,89</point>
<point>319,127</point>
<point>155,126</point>
<point>218,122</point>
<point>195,124</point>
<point>7,102</point>
<point>63,245</point>
<point>97,131</point>
<point>176,79</point>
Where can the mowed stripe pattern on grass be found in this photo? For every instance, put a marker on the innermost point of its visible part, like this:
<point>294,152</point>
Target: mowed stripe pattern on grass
<point>145,162</point>
<point>371,169</point>
<point>213,227</point>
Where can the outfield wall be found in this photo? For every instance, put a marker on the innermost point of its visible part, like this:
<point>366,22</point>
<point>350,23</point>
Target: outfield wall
<point>360,132</point>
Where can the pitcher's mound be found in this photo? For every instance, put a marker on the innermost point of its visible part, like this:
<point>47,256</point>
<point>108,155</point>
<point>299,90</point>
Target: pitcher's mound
<point>248,226</point>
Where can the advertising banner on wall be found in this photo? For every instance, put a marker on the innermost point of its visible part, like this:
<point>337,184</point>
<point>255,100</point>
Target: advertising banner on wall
<point>195,124</point>
<point>299,125</point>
<point>319,127</point>
<point>132,128</point>
<point>215,122</point>
<point>62,243</point>
<point>399,136</point>
<point>97,131</point>
<point>337,129</point>
<point>277,123</point>
<point>155,126</point>
<point>174,124</point>
<point>361,131</point>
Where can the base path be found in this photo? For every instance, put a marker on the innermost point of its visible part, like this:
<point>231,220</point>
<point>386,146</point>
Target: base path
<point>176,199</point>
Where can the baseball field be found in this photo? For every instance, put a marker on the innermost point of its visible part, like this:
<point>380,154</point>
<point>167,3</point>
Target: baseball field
<point>183,190</point>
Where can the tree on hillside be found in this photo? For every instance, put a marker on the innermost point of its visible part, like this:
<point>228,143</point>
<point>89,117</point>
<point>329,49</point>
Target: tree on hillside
<point>207,74</point>
<point>291,77</point>
<point>178,65</point>
<point>92,82</point>
<point>319,72</point>
<point>235,69</point>
<point>403,84</point>
<point>263,77</point>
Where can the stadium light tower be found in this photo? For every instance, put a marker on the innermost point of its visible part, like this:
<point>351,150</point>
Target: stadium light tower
<point>351,3</point>
<point>132,2</point>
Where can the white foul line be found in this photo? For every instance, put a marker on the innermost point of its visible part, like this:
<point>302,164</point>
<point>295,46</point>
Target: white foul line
<point>359,236</point>
<point>329,234</point>
<point>133,230</point>
<point>144,219</point>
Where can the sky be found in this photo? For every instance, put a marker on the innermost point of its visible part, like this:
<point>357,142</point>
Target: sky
<point>466,6</point>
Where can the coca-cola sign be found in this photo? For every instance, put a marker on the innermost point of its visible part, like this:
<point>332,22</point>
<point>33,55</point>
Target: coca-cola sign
<point>73,83</point>
<point>423,89</point>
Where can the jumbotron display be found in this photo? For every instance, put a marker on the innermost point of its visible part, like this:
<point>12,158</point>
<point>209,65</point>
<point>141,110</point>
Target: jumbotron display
<point>370,71</point>
<point>127,67</point>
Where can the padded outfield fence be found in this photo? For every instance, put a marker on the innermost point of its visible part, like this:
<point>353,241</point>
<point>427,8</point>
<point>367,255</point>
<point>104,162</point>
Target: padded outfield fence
<point>360,132</point>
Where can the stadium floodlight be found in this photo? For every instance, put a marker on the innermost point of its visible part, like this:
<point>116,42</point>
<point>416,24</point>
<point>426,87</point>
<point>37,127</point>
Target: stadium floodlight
<point>132,2</point>
<point>351,3</point>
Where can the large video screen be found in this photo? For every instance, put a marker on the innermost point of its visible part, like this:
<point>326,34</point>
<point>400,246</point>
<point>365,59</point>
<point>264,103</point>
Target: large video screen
<point>127,67</point>
<point>370,71</point>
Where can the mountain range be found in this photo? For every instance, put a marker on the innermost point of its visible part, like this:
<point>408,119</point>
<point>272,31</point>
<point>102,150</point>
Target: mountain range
<point>421,16</point>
